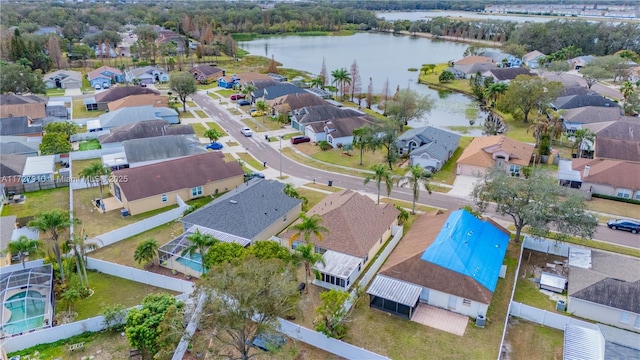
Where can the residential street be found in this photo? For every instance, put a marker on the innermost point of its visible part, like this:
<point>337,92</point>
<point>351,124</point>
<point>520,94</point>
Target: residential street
<point>269,152</point>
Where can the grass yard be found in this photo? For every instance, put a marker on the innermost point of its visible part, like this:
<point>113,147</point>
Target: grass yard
<point>80,111</point>
<point>250,160</point>
<point>613,207</point>
<point>191,104</point>
<point>464,129</point>
<point>290,153</point>
<point>232,143</point>
<point>447,174</point>
<point>199,129</point>
<point>39,201</point>
<point>314,197</point>
<point>55,92</point>
<point>186,115</point>
<point>527,340</point>
<point>108,343</point>
<point>431,78</point>
<point>370,329</point>
<point>122,251</point>
<point>92,144</point>
<point>226,92</point>
<point>95,223</point>
<point>213,125</point>
<point>78,165</point>
<point>407,205</point>
<point>323,187</point>
<point>201,114</point>
<point>130,293</point>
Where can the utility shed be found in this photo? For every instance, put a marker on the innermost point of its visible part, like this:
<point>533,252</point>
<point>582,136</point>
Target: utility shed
<point>553,282</point>
<point>38,168</point>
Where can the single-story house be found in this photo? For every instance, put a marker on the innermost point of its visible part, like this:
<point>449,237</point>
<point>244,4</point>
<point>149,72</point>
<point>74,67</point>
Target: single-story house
<point>206,74</point>
<point>227,82</point>
<point>19,126</point>
<point>151,187</point>
<point>148,75</point>
<point>451,261</point>
<point>139,100</point>
<point>130,115</point>
<point>101,100</point>
<point>11,166</point>
<point>321,93</point>
<point>576,118</point>
<point>38,168</point>
<point>290,102</point>
<point>579,62</point>
<point>319,113</point>
<point>471,65</point>
<point>20,145</point>
<point>337,132</point>
<point>12,105</point>
<point>491,151</point>
<point>605,177</point>
<point>63,79</point>
<point>357,229</point>
<point>532,59</point>
<point>428,147</point>
<point>105,74</point>
<point>141,130</point>
<point>617,140</point>
<point>578,101</point>
<point>145,151</point>
<point>255,211</point>
<point>275,91</point>
<point>599,342</point>
<point>502,59</point>
<point>605,289</point>
<point>505,75</point>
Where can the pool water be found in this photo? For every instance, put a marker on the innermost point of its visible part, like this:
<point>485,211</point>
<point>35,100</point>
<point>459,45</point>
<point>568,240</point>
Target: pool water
<point>193,262</point>
<point>26,314</point>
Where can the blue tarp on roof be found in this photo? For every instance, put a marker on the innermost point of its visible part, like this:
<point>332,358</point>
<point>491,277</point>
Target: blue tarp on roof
<point>469,246</point>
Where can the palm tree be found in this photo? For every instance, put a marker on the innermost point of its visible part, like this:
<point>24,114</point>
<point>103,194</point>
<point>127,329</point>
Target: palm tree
<point>317,82</point>
<point>94,173</point>
<point>146,251</point>
<point>262,106</point>
<point>80,246</point>
<point>417,175</point>
<point>494,91</point>
<point>71,296</point>
<point>341,77</point>
<point>199,243</point>
<point>581,136</point>
<point>23,247</point>
<point>404,215</point>
<point>381,173</point>
<point>248,89</point>
<point>291,191</point>
<point>309,258</point>
<point>556,123</point>
<point>626,89</point>
<point>308,225</point>
<point>364,138</point>
<point>54,222</point>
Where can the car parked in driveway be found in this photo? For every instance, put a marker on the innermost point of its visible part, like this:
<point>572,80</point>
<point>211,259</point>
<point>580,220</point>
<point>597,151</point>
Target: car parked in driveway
<point>300,139</point>
<point>624,224</point>
<point>257,113</point>
<point>244,102</point>
<point>246,131</point>
<point>237,96</point>
<point>252,175</point>
<point>214,146</point>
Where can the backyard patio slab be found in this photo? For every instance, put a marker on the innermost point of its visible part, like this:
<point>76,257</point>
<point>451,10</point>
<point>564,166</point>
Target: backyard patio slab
<point>440,319</point>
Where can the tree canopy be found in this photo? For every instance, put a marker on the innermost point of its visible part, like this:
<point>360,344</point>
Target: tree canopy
<point>527,93</point>
<point>407,105</point>
<point>183,84</point>
<point>17,78</point>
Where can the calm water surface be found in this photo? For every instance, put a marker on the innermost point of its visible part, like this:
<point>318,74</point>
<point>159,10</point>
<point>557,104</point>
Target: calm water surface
<point>379,57</point>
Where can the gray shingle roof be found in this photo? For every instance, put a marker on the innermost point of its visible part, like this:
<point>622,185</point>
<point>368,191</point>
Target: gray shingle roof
<point>614,293</point>
<point>509,73</point>
<point>128,115</point>
<point>11,165</point>
<point>275,91</point>
<point>576,101</point>
<point>7,225</point>
<point>255,207</point>
<point>620,344</point>
<point>18,126</point>
<point>119,92</point>
<point>434,141</point>
<point>20,145</point>
<point>144,129</point>
<point>591,114</point>
<point>13,99</point>
<point>311,114</point>
<point>165,147</point>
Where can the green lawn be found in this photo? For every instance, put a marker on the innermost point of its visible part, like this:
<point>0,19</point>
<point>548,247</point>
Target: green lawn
<point>39,201</point>
<point>232,143</point>
<point>323,187</point>
<point>407,204</point>
<point>613,207</point>
<point>92,144</point>
<point>431,78</point>
<point>226,92</point>
<point>290,153</point>
<point>191,104</point>
<point>78,165</point>
<point>199,129</point>
<point>213,125</point>
<point>186,115</point>
<point>107,343</point>
<point>528,340</point>
<point>129,293</point>
<point>55,92</point>
<point>201,113</point>
<point>80,112</point>
<point>251,161</point>
<point>447,174</point>
<point>314,197</point>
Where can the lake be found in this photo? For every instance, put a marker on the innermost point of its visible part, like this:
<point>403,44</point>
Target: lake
<point>380,56</point>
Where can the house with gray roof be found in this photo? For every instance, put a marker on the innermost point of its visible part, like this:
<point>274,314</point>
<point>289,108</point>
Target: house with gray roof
<point>19,126</point>
<point>148,75</point>
<point>11,166</point>
<point>139,152</point>
<point>63,79</point>
<point>428,147</point>
<point>141,130</point>
<point>130,115</point>
<point>255,211</point>
<point>505,75</point>
<point>20,145</point>
<point>599,342</point>
<point>619,140</point>
<point>577,101</point>
<point>337,132</point>
<point>605,289</point>
<point>276,90</point>
<point>319,113</point>
<point>576,118</point>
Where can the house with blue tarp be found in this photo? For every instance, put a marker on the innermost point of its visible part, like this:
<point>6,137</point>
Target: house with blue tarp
<point>451,261</point>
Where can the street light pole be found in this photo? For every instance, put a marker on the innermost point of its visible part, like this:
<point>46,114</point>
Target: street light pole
<point>280,137</point>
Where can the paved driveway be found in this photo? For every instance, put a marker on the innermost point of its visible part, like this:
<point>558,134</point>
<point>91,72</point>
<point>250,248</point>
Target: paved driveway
<point>72,92</point>
<point>463,186</point>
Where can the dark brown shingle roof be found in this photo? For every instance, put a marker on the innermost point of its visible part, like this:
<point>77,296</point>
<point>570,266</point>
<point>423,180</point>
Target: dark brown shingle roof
<point>145,129</point>
<point>183,173</point>
<point>117,93</point>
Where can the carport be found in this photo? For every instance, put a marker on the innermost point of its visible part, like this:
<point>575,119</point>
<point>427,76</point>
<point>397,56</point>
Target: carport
<point>394,296</point>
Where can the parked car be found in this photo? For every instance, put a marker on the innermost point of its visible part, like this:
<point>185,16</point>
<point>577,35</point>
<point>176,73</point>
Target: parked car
<point>300,139</point>
<point>258,113</point>
<point>105,85</point>
<point>214,146</point>
<point>97,87</point>
<point>269,342</point>
<point>237,96</point>
<point>246,131</point>
<point>624,224</point>
<point>244,102</point>
<point>252,175</point>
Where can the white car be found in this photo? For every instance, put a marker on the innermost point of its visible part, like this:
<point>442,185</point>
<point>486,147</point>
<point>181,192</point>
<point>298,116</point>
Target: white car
<point>246,132</point>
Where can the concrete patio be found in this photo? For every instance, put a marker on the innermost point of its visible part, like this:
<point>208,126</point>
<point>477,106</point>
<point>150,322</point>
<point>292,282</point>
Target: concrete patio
<point>440,319</point>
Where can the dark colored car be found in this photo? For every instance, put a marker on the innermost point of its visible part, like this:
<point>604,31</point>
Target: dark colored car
<point>300,139</point>
<point>244,102</point>
<point>214,146</point>
<point>269,342</point>
<point>624,224</point>
<point>237,96</point>
<point>252,175</point>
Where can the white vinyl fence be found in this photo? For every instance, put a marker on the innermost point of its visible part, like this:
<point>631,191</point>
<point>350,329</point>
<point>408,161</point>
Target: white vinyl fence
<point>88,135</point>
<point>546,246</point>
<point>93,154</point>
<point>546,318</point>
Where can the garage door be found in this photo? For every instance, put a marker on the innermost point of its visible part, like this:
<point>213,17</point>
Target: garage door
<point>72,85</point>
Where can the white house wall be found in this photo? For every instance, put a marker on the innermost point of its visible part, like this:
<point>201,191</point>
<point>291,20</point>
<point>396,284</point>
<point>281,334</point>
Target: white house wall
<point>599,189</point>
<point>441,300</point>
<point>426,162</point>
<point>345,140</point>
<point>602,313</point>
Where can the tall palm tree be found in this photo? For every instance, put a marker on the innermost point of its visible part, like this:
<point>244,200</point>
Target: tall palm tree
<point>341,77</point>
<point>494,91</point>
<point>626,89</point>
<point>417,175</point>
<point>556,123</point>
<point>309,258</point>
<point>381,173</point>
<point>248,89</point>
<point>308,225</point>
<point>24,246</point>
<point>80,245</point>
<point>291,191</point>
<point>364,138</point>
<point>94,173</point>
<point>71,296</point>
<point>200,243</point>
<point>317,82</point>
<point>146,251</point>
<point>262,106</point>
<point>581,136</point>
<point>54,222</point>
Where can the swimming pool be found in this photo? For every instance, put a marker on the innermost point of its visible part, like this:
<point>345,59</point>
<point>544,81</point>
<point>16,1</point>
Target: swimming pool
<point>193,262</point>
<point>27,311</point>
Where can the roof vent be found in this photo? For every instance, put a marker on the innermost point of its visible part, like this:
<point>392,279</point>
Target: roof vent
<point>233,201</point>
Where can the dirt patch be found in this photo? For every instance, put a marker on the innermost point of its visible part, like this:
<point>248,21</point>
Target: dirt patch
<point>535,262</point>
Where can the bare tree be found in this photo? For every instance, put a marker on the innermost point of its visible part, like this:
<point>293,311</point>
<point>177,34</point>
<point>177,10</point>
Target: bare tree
<point>356,85</point>
<point>370,93</point>
<point>385,95</point>
<point>53,46</point>
<point>324,75</point>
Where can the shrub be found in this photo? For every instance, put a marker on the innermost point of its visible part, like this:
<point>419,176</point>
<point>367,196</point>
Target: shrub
<point>446,76</point>
<point>324,145</point>
<point>615,198</point>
